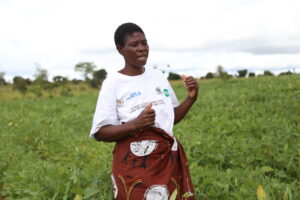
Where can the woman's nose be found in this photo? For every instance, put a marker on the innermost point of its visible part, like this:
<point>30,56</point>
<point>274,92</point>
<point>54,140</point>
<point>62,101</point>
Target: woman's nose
<point>142,47</point>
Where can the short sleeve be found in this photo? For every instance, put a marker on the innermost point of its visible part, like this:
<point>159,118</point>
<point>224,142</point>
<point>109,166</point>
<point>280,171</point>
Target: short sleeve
<point>106,109</point>
<point>174,99</point>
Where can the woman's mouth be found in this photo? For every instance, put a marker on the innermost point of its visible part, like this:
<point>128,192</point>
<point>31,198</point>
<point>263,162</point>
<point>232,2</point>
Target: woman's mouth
<point>142,58</point>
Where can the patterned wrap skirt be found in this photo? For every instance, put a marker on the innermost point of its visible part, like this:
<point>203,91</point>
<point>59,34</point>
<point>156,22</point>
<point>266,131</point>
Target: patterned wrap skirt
<point>151,165</point>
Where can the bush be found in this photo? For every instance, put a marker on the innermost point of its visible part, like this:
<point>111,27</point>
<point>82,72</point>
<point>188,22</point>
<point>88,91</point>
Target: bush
<point>251,74</point>
<point>268,73</point>
<point>20,84</point>
<point>174,76</point>
<point>98,77</point>
<point>2,80</point>
<point>60,80</point>
<point>66,91</point>
<point>37,90</point>
<point>242,73</point>
<point>285,73</point>
<point>209,75</point>
<point>76,81</point>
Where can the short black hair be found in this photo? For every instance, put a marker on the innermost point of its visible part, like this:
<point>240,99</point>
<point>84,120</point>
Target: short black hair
<point>125,29</point>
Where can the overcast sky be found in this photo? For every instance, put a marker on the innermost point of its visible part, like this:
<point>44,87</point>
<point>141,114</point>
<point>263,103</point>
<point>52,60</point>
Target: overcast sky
<point>193,37</point>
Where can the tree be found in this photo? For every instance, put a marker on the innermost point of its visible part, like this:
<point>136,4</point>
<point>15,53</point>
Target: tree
<point>28,81</point>
<point>60,80</point>
<point>251,74</point>
<point>20,84</point>
<point>285,73</point>
<point>98,77</point>
<point>2,80</point>
<point>242,73</point>
<point>173,76</point>
<point>41,76</point>
<point>87,68</point>
<point>268,73</point>
<point>209,75</point>
<point>76,81</point>
<point>221,73</point>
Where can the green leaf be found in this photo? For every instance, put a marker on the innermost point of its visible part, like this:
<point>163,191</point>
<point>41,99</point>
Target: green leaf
<point>89,192</point>
<point>265,169</point>
<point>174,195</point>
<point>77,197</point>
<point>261,194</point>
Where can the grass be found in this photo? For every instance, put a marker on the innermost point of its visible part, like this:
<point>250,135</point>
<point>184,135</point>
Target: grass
<point>240,134</point>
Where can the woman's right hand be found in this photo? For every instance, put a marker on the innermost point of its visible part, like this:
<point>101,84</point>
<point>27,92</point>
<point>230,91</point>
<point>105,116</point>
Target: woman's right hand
<point>145,119</point>
<point>112,133</point>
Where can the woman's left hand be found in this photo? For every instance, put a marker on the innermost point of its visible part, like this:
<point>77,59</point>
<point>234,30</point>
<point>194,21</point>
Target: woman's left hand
<point>191,85</point>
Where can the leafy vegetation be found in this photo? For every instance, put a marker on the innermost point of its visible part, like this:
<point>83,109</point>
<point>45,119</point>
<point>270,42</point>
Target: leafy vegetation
<point>173,76</point>
<point>242,73</point>
<point>241,138</point>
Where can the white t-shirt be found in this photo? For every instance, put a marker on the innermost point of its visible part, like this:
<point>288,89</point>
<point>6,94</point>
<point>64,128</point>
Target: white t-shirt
<point>122,98</point>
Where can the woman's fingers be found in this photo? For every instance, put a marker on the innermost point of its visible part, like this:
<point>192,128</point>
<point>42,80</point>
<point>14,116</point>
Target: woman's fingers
<point>148,107</point>
<point>190,79</point>
<point>192,87</point>
<point>146,118</point>
<point>192,83</point>
<point>149,116</point>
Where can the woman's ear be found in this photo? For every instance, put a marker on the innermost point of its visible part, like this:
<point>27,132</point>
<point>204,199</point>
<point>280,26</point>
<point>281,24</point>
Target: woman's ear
<point>120,49</point>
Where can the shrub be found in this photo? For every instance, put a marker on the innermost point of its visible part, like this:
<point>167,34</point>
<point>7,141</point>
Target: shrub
<point>98,77</point>
<point>209,75</point>
<point>268,73</point>
<point>20,84</point>
<point>173,76</point>
<point>60,80</point>
<point>36,90</point>
<point>285,73</point>
<point>251,74</point>
<point>242,73</point>
<point>66,91</point>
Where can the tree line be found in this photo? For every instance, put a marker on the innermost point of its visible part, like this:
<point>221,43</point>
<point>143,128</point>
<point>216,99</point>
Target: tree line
<point>94,78</point>
<point>221,73</point>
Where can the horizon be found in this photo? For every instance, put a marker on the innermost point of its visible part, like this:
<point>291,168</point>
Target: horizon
<point>166,72</point>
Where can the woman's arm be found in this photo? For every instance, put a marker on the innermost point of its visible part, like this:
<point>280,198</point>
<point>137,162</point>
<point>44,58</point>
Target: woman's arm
<point>111,133</point>
<point>192,88</point>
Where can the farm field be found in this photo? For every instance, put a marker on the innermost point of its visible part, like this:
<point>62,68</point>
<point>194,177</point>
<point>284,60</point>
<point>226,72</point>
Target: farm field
<point>242,139</point>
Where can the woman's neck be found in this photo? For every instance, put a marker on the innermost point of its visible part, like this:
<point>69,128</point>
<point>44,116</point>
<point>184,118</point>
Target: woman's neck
<point>132,71</point>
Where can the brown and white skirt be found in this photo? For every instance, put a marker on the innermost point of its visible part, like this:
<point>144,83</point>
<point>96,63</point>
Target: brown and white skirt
<point>151,165</point>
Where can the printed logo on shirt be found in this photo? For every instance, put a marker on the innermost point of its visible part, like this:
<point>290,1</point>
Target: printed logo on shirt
<point>158,91</point>
<point>120,102</point>
<point>133,94</point>
<point>166,92</point>
<point>145,104</point>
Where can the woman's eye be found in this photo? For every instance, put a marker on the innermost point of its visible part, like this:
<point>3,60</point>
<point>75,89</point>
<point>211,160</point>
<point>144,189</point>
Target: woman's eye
<point>133,44</point>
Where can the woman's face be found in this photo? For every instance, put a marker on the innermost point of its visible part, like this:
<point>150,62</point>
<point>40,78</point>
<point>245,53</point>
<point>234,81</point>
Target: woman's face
<point>135,50</point>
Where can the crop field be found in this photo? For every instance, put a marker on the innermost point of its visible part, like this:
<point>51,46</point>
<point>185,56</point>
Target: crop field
<point>242,139</point>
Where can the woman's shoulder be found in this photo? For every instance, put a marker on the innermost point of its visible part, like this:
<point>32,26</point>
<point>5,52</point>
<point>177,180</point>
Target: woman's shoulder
<point>154,72</point>
<point>114,79</point>
<point>110,80</point>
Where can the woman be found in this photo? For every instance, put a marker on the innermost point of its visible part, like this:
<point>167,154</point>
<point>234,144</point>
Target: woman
<point>137,109</point>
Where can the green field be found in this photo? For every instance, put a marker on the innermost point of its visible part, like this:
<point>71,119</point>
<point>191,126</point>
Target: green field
<point>241,134</point>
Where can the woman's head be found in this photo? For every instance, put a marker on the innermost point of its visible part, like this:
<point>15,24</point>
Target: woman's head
<point>126,29</point>
<point>132,44</point>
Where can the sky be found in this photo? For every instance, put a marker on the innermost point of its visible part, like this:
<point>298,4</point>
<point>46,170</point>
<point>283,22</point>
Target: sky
<point>193,37</point>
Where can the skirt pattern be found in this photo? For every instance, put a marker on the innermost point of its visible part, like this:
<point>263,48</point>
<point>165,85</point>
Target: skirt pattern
<point>151,165</point>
